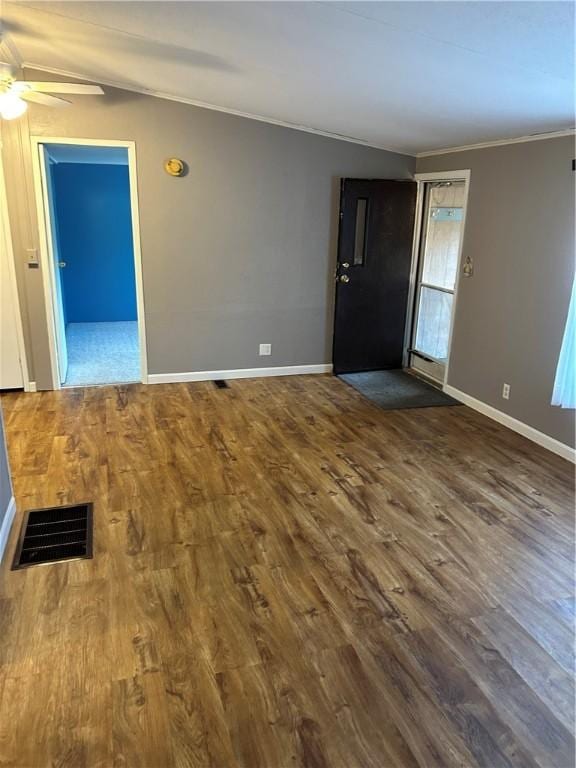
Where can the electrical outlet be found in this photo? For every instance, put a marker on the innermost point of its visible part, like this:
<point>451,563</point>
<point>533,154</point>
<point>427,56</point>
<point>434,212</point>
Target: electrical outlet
<point>265,349</point>
<point>506,391</point>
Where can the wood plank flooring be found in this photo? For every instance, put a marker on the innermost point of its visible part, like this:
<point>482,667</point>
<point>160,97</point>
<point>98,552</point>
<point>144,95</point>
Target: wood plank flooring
<point>285,575</point>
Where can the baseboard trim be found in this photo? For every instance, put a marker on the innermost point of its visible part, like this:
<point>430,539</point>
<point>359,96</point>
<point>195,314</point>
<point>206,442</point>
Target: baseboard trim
<point>7,526</point>
<point>239,373</point>
<point>565,451</point>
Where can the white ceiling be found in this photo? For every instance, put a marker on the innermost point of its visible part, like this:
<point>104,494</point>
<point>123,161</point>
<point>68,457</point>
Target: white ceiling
<point>410,76</point>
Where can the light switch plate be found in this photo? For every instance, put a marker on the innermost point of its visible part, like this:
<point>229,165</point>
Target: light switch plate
<point>32,256</point>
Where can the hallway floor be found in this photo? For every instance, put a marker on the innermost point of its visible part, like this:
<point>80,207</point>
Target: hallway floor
<point>102,353</point>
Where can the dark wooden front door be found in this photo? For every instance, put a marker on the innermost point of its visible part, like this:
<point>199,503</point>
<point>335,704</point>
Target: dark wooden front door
<point>373,274</point>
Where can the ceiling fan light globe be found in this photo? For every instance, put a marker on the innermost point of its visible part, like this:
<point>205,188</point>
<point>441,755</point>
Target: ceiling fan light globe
<point>11,106</point>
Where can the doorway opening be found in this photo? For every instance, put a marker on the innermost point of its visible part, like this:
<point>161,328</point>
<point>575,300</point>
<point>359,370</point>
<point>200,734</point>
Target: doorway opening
<point>436,272</point>
<point>91,254</point>
<point>398,259</point>
<point>436,265</point>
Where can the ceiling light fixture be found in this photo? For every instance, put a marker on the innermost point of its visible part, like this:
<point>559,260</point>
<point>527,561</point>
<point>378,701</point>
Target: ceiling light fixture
<point>15,94</point>
<point>11,105</point>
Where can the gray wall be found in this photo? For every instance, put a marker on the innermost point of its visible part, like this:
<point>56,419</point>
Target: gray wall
<point>239,252</point>
<point>510,315</point>
<point>5,484</point>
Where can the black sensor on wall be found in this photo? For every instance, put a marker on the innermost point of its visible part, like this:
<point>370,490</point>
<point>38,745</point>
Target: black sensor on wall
<point>54,534</point>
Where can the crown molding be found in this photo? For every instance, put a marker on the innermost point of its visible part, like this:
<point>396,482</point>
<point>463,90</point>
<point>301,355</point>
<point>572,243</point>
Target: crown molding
<point>499,142</point>
<point>293,126</point>
<point>213,107</point>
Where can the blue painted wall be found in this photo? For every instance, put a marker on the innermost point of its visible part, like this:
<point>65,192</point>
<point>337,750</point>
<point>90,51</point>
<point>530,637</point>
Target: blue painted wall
<point>92,206</point>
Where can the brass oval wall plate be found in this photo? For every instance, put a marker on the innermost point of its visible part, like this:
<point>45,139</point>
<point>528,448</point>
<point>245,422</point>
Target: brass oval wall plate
<point>174,166</point>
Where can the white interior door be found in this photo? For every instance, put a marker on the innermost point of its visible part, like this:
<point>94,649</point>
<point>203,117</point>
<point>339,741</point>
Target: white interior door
<point>11,376</point>
<point>50,216</point>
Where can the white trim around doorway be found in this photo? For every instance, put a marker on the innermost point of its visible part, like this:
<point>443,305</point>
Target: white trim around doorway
<point>47,263</point>
<point>7,236</point>
<point>421,179</point>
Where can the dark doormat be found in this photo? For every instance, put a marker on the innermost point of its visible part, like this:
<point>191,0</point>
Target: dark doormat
<point>394,390</point>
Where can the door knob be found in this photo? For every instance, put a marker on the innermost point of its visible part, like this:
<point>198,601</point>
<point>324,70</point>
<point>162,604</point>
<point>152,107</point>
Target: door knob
<point>344,279</point>
<point>61,264</point>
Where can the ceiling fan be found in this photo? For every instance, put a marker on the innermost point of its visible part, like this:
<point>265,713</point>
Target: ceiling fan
<point>15,93</point>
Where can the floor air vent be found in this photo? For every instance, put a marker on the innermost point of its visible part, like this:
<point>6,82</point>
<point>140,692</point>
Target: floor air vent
<point>54,534</point>
<point>221,384</point>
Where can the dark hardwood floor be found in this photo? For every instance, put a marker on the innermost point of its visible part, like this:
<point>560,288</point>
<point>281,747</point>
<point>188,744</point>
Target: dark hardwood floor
<point>285,575</point>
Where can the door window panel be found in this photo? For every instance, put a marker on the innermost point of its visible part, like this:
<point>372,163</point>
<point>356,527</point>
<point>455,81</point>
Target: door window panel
<point>360,231</point>
<point>441,255</point>
<point>433,329</point>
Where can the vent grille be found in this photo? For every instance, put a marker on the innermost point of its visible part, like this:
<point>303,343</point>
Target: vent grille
<point>54,534</point>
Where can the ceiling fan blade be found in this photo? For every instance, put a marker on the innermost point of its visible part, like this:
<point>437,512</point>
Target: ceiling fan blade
<point>77,88</point>
<point>43,98</point>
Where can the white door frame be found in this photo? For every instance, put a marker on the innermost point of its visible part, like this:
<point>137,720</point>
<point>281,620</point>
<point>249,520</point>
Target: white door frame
<point>47,264</point>
<point>49,207</point>
<point>421,179</point>
<point>7,237</point>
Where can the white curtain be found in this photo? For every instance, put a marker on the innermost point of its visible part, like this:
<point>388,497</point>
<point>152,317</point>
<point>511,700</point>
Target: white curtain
<point>564,393</point>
